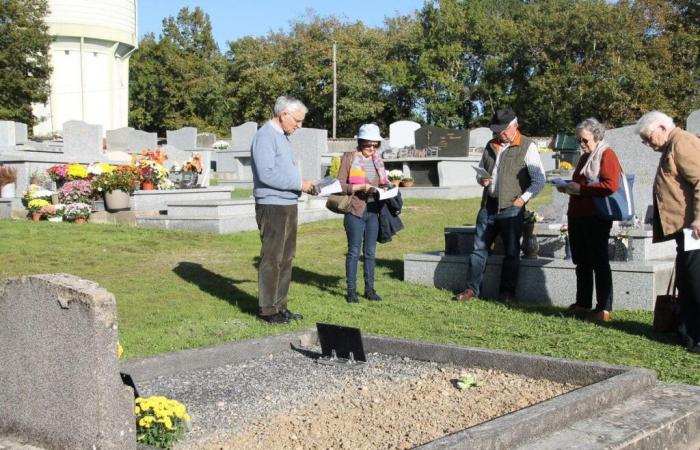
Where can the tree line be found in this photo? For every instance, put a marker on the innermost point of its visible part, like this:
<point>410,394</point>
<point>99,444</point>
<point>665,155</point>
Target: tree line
<point>450,64</point>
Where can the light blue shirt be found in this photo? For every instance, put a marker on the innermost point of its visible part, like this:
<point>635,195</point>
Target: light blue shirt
<point>276,178</point>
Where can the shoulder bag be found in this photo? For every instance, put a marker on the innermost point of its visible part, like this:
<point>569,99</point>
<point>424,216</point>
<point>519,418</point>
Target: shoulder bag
<point>667,309</point>
<point>340,203</point>
<point>620,204</point>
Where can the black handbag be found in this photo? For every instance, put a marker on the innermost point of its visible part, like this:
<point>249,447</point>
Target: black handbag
<point>667,310</point>
<point>339,203</point>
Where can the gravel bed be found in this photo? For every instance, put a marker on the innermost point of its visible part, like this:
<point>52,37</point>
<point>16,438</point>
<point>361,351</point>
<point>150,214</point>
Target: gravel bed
<point>288,400</point>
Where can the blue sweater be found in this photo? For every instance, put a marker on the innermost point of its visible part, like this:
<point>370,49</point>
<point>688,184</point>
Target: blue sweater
<point>276,179</point>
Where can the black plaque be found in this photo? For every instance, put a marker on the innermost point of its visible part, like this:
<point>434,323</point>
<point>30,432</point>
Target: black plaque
<point>338,341</point>
<point>450,143</point>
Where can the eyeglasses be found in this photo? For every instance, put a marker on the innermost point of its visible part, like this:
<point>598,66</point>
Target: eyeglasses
<point>371,145</point>
<point>582,140</point>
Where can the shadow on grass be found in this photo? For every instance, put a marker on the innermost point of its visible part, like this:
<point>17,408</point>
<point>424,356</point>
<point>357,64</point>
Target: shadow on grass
<point>325,283</point>
<point>217,285</point>
<point>395,267</point>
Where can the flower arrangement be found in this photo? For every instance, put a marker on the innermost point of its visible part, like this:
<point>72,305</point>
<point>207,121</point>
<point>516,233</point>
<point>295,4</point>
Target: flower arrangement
<point>124,178</point>
<point>97,169</point>
<point>220,145</point>
<point>565,165</point>
<point>165,184</point>
<point>394,175</point>
<point>155,155</point>
<point>67,172</point>
<point>194,164</point>
<point>151,171</point>
<point>160,421</point>
<point>78,191</point>
<point>59,172</point>
<point>8,175</point>
<point>335,167</point>
<point>73,211</point>
<point>37,204</point>
<point>52,210</point>
<point>41,193</point>
<point>407,178</point>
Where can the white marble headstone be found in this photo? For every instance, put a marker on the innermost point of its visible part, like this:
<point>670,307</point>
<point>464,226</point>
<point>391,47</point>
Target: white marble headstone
<point>7,133</point>
<point>82,140</point>
<point>184,138</point>
<point>242,136</point>
<point>21,133</point>
<point>309,145</point>
<point>402,134</point>
<point>118,140</point>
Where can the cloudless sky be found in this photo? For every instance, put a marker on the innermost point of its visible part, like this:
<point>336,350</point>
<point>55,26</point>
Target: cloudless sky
<point>234,19</point>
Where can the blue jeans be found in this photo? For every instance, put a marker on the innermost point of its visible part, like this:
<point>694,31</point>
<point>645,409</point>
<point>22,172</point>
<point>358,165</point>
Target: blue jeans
<point>358,230</point>
<point>490,222</point>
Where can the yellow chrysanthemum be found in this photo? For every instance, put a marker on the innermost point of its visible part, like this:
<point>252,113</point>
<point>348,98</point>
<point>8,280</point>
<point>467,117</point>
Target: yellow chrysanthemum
<point>120,350</point>
<point>77,171</point>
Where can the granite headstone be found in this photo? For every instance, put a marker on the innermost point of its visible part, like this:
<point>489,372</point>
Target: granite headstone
<point>184,138</point>
<point>82,140</point>
<point>205,140</point>
<point>7,133</point>
<point>242,136</point>
<point>142,140</point>
<point>21,136</point>
<point>402,134</point>
<point>693,122</point>
<point>118,140</point>
<point>451,143</point>
<point>479,137</point>
<point>309,145</point>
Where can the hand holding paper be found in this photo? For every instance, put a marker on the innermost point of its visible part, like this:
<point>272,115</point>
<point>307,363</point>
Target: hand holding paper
<point>481,173</point>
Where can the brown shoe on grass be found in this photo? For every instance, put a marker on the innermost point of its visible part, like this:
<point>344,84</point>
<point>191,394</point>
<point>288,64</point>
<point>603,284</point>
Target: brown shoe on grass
<point>465,296</point>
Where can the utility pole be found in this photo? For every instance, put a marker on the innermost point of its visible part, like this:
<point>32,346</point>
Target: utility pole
<point>335,85</point>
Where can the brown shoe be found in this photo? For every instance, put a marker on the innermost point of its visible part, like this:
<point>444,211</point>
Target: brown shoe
<point>599,316</point>
<point>465,296</point>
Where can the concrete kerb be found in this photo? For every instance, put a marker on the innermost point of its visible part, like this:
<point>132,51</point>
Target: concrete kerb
<point>604,385</point>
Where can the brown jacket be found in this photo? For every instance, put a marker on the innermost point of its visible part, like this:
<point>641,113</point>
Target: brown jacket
<point>359,201</point>
<point>677,185</point>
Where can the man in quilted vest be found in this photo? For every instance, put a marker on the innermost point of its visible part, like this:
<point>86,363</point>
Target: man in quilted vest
<point>515,176</point>
<point>677,208</point>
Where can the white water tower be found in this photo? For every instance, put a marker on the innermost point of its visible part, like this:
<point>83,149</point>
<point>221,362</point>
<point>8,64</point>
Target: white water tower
<point>92,43</point>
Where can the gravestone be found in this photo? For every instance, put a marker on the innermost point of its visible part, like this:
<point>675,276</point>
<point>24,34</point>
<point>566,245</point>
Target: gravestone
<point>402,134</point>
<point>142,140</point>
<point>242,136</point>
<point>205,140</point>
<point>7,133</point>
<point>82,140</point>
<point>479,137</point>
<point>21,136</point>
<point>693,122</point>
<point>61,386</point>
<point>639,160</point>
<point>118,140</point>
<point>309,145</point>
<point>184,138</point>
<point>451,143</point>
<point>175,155</point>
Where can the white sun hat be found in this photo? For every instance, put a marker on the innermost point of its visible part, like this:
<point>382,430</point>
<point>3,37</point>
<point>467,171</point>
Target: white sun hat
<point>369,132</point>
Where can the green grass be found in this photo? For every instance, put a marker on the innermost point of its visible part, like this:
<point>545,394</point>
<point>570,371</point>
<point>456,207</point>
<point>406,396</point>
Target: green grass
<point>178,290</point>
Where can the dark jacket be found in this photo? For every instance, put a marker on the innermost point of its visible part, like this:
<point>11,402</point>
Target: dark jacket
<point>389,220</point>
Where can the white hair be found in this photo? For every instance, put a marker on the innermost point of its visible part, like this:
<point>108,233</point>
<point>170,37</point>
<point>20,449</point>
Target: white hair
<point>652,120</point>
<point>288,104</point>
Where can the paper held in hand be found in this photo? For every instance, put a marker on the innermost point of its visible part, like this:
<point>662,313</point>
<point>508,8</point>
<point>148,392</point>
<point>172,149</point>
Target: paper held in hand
<point>481,173</point>
<point>383,195</point>
<point>689,242</point>
<point>327,186</point>
<point>559,182</point>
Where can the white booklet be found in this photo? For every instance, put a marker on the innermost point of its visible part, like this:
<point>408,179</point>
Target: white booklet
<point>689,242</point>
<point>559,182</point>
<point>327,186</point>
<point>383,195</point>
<point>481,173</point>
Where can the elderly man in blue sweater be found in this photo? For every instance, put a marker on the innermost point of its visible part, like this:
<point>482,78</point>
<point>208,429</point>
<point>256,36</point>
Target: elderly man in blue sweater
<point>277,184</point>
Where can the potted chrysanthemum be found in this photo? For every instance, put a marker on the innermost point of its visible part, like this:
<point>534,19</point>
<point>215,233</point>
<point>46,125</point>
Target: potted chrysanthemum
<point>160,421</point>
<point>77,212</point>
<point>116,186</point>
<point>35,206</point>
<point>53,213</point>
<point>395,176</point>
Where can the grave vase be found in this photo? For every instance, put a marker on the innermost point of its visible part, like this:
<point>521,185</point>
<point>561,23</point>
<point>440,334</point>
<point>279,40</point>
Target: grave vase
<point>80,220</point>
<point>529,245</point>
<point>8,190</point>
<point>117,200</point>
<point>148,186</point>
<point>406,183</point>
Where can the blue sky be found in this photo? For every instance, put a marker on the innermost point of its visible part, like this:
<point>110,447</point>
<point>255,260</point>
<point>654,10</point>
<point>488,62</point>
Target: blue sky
<point>234,19</point>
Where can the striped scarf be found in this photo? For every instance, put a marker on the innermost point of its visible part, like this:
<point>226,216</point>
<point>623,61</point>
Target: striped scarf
<point>357,170</point>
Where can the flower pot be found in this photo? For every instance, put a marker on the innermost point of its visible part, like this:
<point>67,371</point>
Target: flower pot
<point>55,219</point>
<point>36,216</point>
<point>117,200</point>
<point>80,220</point>
<point>406,183</point>
<point>148,186</point>
<point>8,190</point>
<point>395,182</point>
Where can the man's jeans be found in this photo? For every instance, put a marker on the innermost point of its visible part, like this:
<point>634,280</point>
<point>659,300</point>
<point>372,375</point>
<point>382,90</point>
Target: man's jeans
<point>278,234</point>
<point>358,230</point>
<point>490,222</point>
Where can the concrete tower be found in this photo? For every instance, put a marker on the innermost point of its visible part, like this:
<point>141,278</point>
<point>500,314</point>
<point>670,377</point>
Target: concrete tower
<point>92,42</point>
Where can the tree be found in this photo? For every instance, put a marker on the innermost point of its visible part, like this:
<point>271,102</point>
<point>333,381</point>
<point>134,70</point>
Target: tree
<point>24,58</point>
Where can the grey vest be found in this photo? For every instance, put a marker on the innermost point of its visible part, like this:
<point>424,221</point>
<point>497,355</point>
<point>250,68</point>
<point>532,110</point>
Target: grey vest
<point>513,177</point>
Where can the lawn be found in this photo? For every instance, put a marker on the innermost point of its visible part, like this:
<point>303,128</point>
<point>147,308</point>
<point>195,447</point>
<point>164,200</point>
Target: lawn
<point>178,290</point>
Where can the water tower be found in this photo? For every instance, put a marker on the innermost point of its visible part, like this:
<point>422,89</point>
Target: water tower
<point>92,43</point>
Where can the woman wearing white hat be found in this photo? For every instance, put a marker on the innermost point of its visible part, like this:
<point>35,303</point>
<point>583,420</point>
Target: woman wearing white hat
<point>361,172</point>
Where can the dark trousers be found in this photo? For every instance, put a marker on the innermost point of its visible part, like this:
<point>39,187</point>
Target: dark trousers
<point>361,230</point>
<point>490,222</point>
<point>688,284</point>
<point>278,234</point>
<point>589,237</point>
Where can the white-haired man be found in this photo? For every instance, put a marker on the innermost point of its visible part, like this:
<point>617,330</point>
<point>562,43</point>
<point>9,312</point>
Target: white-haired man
<point>677,206</point>
<point>515,175</point>
<point>277,185</point>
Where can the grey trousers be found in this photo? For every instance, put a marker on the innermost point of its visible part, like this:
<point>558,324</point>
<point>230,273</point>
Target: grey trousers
<point>278,234</point>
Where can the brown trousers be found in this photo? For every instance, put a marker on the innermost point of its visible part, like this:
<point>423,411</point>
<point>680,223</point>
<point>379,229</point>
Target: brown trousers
<point>278,234</point>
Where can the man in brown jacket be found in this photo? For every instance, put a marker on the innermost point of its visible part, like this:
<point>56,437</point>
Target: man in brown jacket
<point>677,207</point>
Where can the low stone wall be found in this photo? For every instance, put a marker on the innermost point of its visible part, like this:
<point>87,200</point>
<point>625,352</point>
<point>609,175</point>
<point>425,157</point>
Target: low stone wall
<point>61,387</point>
